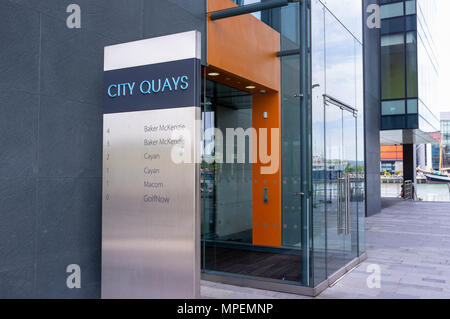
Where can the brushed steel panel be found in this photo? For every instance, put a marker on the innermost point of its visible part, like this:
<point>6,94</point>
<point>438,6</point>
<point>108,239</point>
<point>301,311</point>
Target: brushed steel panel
<point>166,48</point>
<point>150,249</point>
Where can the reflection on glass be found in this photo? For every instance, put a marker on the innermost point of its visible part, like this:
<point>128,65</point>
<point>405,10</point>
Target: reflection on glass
<point>334,188</point>
<point>411,64</point>
<point>410,7</point>
<point>318,140</point>
<point>391,10</point>
<point>413,106</point>
<point>393,107</point>
<point>336,222</point>
<point>291,151</point>
<point>348,12</point>
<point>392,67</point>
<point>340,61</point>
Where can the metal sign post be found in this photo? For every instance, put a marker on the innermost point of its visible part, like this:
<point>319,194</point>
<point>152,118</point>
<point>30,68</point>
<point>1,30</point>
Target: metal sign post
<point>150,227</point>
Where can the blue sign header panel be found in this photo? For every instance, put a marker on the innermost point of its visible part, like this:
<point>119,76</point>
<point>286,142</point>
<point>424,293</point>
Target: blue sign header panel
<point>151,87</point>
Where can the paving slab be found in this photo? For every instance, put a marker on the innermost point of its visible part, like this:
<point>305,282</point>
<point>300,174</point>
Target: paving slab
<point>410,241</point>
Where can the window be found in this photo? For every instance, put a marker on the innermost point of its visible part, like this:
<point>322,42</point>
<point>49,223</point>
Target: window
<point>392,10</point>
<point>410,7</point>
<point>393,107</point>
<point>392,66</point>
<point>411,64</point>
<point>413,106</point>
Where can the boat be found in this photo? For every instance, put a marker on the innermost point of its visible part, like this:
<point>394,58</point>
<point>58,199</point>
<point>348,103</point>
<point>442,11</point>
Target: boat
<point>434,178</point>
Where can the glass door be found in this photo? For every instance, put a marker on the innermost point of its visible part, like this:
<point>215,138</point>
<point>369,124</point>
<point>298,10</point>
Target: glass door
<point>349,162</point>
<point>341,172</point>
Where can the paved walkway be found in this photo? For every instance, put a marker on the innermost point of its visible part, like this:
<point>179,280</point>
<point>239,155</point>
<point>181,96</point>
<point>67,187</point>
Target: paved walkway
<point>409,241</point>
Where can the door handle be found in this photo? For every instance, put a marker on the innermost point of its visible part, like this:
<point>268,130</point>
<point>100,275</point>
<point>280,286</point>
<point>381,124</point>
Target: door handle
<point>339,204</point>
<point>347,204</point>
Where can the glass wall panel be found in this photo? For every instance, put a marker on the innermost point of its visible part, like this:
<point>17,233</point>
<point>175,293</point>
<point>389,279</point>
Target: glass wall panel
<point>325,160</point>
<point>391,10</point>
<point>412,121</point>
<point>294,234</point>
<point>411,64</point>
<point>340,61</point>
<point>360,192</point>
<point>289,26</point>
<point>226,187</point>
<point>334,189</point>
<point>343,65</point>
<point>413,106</point>
<point>348,12</point>
<point>393,122</point>
<point>291,211</point>
<point>392,66</point>
<point>428,63</point>
<point>410,7</point>
<point>318,140</point>
<point>393,107</point>
<point>393,25</point>
<point>229,240</point>
<point>411,23</point>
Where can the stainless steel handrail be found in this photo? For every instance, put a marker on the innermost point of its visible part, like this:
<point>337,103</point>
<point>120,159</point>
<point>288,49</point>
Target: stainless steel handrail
<point>347,204</point>
<point>340,228</point>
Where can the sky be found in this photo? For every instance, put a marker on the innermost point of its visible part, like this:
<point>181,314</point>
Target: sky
<point>443,47</point>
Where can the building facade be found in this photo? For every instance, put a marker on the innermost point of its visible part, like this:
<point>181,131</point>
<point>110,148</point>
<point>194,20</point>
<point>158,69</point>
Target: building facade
<point>409,73</point>
<point>444,158</point>
<point>391,159</point>
<point>294,68</point>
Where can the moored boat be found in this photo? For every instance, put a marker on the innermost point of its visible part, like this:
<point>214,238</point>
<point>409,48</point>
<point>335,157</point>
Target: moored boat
<point>437,179</point>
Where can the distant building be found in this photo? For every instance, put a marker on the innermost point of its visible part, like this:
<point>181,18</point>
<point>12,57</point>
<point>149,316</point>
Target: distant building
<point>444,162</point>
<point>436,152</point>
<point>391,158</point>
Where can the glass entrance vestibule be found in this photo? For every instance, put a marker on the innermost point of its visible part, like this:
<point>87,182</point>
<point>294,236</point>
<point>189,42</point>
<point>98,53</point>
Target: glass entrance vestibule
<point>282,173</point>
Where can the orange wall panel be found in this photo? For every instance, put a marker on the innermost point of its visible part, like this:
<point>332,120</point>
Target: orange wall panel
<point>244,46</point>
<point>267,216</point>
<point>392,153</point>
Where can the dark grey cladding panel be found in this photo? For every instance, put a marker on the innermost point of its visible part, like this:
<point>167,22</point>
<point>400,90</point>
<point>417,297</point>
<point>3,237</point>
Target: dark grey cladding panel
<point>71,62</point>
<point>120,20</point>
<point>18,133</point>
<point>372,112</point>
<point>51,99</point>
<point>17,283</point>
<point>17,216</point>
<point>68,232</point>
<point>19,48</point>
<point>70,138</point>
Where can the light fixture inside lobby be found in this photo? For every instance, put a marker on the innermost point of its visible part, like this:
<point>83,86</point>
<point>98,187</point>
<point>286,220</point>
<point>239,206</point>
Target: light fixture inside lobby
<point>213,74</point>
<point>250,87</point>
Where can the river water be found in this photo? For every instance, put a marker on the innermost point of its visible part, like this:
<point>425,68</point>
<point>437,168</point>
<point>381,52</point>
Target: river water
<point>427,192</point>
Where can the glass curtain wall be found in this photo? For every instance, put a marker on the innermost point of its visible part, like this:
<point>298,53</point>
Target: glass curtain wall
<point>322,161</point>
<point>227,244</point>
<point>338,177</point>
